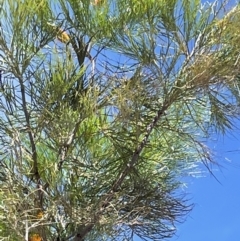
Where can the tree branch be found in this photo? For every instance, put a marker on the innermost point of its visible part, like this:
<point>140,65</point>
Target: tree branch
<point>123,174</point>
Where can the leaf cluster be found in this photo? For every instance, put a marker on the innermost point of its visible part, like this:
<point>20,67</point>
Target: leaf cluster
<point>96,134</point>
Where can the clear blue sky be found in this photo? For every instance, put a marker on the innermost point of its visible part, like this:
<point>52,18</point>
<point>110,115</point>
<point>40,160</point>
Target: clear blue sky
<point>216,215</point>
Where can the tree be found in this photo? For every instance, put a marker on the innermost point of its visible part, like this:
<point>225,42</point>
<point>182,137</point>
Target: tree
<point>105,106</point>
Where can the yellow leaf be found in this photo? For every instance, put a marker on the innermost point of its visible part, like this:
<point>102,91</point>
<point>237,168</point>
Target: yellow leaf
<point>62,36</point>
<point>40,214</point>
<point>35,237</point>
<point>98,2</point>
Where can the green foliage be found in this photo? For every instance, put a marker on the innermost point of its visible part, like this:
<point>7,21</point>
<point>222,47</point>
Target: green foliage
<point>96,134</point>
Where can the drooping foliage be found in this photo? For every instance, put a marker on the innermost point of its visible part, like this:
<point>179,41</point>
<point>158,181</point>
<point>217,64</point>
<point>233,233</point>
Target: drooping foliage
<point>104,107</point>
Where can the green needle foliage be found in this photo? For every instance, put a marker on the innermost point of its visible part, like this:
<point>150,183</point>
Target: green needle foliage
<point>104,109</point>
